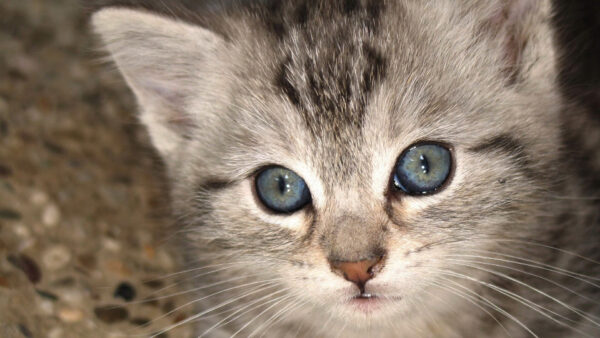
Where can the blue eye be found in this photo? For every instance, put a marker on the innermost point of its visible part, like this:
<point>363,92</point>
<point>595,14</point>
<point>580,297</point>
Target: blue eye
<point>282,190</point>
<point>422,169</point>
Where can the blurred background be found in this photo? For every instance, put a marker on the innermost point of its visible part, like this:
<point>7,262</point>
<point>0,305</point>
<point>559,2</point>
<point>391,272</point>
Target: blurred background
<point>82,226</point>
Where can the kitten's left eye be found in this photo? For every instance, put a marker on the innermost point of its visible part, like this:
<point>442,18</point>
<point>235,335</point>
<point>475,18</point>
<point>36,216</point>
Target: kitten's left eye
<point>422,169</point>
<point>282,190</point>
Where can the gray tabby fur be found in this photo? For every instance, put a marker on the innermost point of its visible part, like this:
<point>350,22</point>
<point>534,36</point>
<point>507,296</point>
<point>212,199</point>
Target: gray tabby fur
<point>336,90</point>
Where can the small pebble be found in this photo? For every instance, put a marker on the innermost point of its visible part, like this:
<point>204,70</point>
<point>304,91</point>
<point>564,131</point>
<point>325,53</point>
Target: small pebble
<point>25,244</point>
<point>64,282</point>
<point>56,332</point>
<point>139,321</point>
<point>4,283</point>
<point>27,265</point>
<point>111,244</point>
<point>125,291</point>
<point>50,215</point>
<point>111,313</point>
<point>25,331</point>
<point>5,171</point>
<point>88,261</point>
<point>39,198</point>
<point>118,268</point>
<point>10,214</point>
<point>56,257</point>
<point>46,307</point>
<point>21,230</point>
<point>70,315</point>
<point>153,283</point>
<point>72,296</point>
<point>47,295</point>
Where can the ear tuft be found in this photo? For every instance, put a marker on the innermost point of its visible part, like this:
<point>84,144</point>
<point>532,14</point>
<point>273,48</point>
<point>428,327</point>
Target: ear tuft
<point>162,60</point>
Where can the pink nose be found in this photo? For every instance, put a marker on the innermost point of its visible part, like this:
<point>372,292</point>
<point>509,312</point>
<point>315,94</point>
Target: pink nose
<point>358,272</point>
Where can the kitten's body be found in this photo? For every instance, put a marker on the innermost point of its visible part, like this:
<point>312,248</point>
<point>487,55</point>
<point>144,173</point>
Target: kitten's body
<point>336,91</point>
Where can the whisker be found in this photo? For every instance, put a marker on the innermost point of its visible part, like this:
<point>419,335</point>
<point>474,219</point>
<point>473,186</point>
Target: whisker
<point>567,306</point>
<point>279,315</point>
<point>342,329</point>
<point>326,323</point>
<point>177,273</point>
<point>179,293</point>
<point>520,241</point>
<point>260,314</point>
<point>538,308</point>
<point>476,301</point>
<point>262,287</point>
<point>529,274</point>
<point>435,321</point>
<point>181,281</point>
<point>229,318</point>
<point>475,296</point>
<point>539,265</point>
<point>298,330</point>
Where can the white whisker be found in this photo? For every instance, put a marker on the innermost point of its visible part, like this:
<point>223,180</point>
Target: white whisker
<point>275,318</point>
<point>537,308</point>
<point>260,314</point>
<point>243,310</point>
<point>476,300</point>
<point>536,264</point>
<point>567,306</point>
<point>527,273</point>
<point>269,284</point>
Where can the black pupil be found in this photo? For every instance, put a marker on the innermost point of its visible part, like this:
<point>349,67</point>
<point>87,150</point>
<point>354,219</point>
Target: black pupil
<point>281,184</point>
<point>424,164</point>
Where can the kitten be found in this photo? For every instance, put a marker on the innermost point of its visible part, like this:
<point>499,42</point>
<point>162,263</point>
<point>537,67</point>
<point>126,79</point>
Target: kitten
<point>370,168</point>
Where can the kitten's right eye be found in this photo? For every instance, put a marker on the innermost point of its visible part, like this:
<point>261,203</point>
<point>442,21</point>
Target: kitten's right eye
<point>282,190</point>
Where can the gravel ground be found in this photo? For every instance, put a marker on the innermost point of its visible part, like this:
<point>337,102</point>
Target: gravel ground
<point>82,223</point>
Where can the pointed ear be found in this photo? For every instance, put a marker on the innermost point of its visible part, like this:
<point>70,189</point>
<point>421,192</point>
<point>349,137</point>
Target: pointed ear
<point>522,31</point>
<point>163,61</point>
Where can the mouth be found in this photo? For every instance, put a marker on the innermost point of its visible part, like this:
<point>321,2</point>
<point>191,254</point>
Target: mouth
<point>365,296</point>
<point>365,302</point>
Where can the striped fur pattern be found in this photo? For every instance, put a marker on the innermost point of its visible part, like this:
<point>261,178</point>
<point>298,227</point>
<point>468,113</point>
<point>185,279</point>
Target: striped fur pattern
<point>336,90</point>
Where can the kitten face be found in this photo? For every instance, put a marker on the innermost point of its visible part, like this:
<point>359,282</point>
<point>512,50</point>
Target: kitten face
<point>336,93</point>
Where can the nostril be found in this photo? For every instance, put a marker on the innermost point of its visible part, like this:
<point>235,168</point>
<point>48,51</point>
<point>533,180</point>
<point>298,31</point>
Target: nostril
<point>358,272</point>
<point>375,268</point>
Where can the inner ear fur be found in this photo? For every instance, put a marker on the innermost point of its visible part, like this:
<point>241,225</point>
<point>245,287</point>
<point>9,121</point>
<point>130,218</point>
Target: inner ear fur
<point>163,61</point>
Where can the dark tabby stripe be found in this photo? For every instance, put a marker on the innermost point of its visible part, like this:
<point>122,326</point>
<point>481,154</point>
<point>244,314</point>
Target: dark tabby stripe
<point>214,184</point>
<point>509,145</point>
<point>282,82</point>
<point>331,97</point>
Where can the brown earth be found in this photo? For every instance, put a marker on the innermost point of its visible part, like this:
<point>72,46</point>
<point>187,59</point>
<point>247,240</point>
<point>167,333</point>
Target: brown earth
<point>82,224</point>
